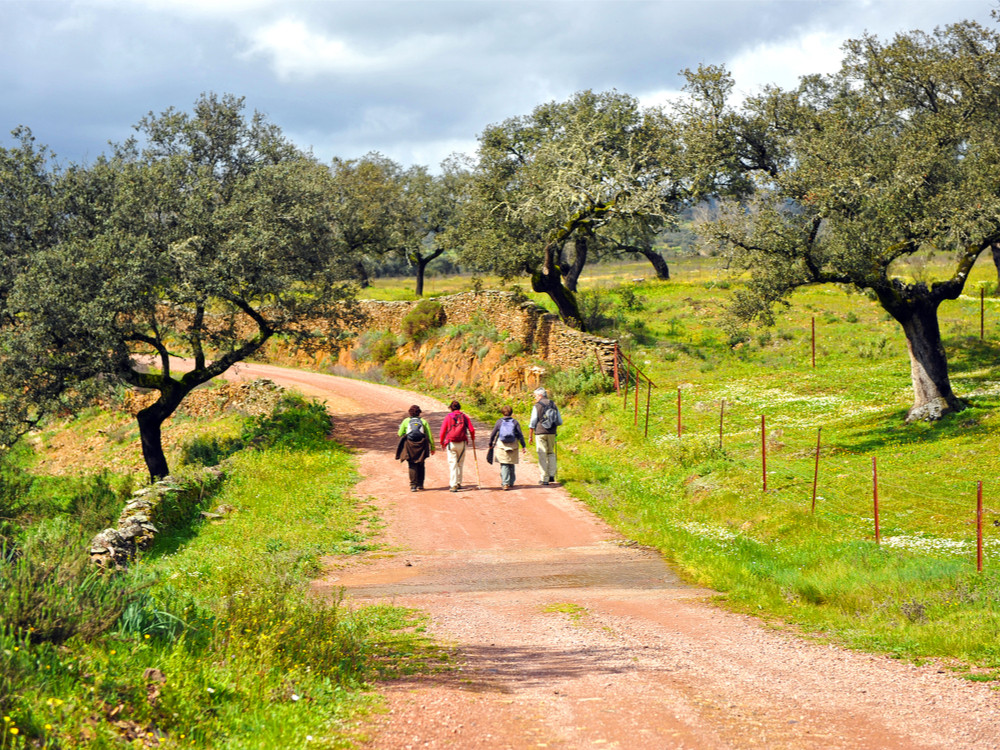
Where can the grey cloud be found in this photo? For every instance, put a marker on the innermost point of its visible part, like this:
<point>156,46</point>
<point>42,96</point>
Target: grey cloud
<point>81,73</point>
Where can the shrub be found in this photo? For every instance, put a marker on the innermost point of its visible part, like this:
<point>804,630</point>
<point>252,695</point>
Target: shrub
<point>209,450</point>
<point>630,300</point>
<point>375,346</point>
<point>294,423</point>
<point>399,369</point>
<point>384,349</point>
<point>585,381</point>
<point>51,592</point>
<point>422,319</point>
<point>595,310</point>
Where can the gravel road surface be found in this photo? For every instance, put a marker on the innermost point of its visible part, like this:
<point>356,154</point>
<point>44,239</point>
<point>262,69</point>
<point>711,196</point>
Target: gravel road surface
<point>569,636</point>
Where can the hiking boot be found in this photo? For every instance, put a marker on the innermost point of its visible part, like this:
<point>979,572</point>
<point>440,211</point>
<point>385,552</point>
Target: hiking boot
<point>413,489</point>
<point>454,489</point>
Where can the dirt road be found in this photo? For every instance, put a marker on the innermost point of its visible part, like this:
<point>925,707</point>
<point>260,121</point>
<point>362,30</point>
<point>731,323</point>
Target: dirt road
<point>570,637</point>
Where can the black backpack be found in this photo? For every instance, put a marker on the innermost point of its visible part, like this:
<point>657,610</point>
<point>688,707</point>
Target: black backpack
<point>415,432</point>
<point>549,418</point>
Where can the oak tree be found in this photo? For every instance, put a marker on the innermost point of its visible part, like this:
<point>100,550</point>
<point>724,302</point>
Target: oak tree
<point>570,173</point>
<point>841,179</point>
<point>203,237</point>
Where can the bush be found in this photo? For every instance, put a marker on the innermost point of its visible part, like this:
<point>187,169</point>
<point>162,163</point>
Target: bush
<point>51,592</point>
<point>399,369</point>
<point>586,381</point>
<point>375,346</point>
<point>294,423</point>
<point>209,450</point>
<point>422,319</point>
<point>595,310</point>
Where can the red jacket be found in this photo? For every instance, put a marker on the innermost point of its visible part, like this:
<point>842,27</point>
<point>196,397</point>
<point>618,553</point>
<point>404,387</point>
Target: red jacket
<point>468,433</point>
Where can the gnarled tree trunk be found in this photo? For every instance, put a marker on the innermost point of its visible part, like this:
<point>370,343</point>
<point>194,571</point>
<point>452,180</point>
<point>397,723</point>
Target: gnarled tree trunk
<point>422,261</point>
<point>548,280</point>
<point>571,271</point>
<point>659,264</point>
<point>932,394</point>
<point>151,421</point>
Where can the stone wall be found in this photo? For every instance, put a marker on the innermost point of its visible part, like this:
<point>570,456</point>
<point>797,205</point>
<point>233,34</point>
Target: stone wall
<point>160,506</point>
<point>541,332</point>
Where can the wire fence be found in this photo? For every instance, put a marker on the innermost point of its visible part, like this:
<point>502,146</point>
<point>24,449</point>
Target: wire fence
<point>796,466</point>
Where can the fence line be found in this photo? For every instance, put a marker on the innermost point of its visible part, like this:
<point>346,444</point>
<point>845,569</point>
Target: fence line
<point>629,379</point>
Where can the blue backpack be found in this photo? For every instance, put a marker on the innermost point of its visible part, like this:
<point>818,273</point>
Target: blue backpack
<point>508,430</point>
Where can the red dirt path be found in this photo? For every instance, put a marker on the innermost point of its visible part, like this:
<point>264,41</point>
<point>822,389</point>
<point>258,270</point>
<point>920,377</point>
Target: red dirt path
<point>570,637</point>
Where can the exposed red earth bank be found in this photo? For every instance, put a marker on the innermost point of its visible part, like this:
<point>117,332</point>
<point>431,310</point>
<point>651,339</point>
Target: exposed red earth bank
<point>568,636</point>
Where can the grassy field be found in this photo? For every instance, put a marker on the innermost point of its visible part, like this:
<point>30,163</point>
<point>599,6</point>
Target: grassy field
<point>917,594</point>
<point>211,638</point>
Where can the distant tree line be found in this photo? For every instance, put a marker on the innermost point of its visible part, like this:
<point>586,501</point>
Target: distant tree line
<point>208,233</point>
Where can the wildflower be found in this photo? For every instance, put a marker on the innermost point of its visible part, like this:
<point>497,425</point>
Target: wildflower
<point>211,690</point>
<point>15,731</point>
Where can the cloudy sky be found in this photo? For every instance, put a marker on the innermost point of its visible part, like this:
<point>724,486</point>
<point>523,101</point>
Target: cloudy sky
<point>413,79</point>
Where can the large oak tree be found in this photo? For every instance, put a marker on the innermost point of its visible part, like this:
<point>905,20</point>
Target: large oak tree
<point>837,181</point>
<point>202,237</point>
<point>593,168</point>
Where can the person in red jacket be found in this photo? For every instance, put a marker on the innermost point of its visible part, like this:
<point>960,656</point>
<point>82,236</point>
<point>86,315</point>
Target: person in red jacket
<point>456,431</point>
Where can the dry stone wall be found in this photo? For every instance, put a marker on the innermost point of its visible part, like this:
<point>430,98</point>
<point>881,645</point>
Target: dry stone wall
<point>540,332</point>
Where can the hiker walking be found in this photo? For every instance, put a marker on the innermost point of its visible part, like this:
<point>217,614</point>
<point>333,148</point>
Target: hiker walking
<point>504,438</point>
<point>456,430</point>
<point>415,445</point>
<point>545,419</point>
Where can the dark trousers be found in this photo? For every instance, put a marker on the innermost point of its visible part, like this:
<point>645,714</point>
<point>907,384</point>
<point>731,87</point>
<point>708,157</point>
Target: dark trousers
<point>416,473</point>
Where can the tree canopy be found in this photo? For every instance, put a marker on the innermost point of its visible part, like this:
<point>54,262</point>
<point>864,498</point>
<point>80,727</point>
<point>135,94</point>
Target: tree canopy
<point>201,238</point>
<point>595,167</point>
<point>836,181</point>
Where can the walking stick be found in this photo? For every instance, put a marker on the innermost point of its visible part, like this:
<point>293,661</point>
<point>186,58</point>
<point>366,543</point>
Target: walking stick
<point>475,460</point>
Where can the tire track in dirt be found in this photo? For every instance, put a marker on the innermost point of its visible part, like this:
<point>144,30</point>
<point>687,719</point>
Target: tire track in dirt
<point>570,637</point>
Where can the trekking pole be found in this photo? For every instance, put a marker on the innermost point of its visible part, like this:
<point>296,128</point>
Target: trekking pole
<point>475,460</point>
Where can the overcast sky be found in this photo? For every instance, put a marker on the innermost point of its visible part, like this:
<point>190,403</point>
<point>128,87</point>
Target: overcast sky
<point>413,79</point>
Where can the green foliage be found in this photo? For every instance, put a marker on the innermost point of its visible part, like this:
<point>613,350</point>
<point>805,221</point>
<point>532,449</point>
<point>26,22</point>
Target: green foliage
<point>583,382</point>
<point>399,369</point>
<point>294,423</point>
<point>426,316</point>
<point>594,172</point>
<point>595,309</point>
<point>477,334</point>
<point>249,253</point>
<point>51,592</point>
<point>209,450</point>
<point>853,176</point>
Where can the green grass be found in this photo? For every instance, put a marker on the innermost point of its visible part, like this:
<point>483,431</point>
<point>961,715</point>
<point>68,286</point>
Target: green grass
<point>221,643</point>
<point>918,593</point>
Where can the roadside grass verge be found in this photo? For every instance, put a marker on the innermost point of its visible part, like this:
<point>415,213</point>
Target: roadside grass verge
<point>216,640</point>
<point>917,595</point>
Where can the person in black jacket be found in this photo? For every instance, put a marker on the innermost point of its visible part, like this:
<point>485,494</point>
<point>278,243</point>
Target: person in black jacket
<point>415,444</point>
